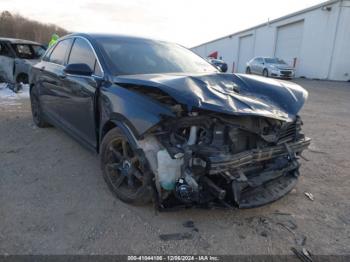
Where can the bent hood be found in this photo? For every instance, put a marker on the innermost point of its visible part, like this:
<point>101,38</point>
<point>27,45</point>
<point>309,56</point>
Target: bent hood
<point>234,94</point>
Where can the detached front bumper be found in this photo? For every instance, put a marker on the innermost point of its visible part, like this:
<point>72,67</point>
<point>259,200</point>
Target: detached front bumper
<point>260,187</point>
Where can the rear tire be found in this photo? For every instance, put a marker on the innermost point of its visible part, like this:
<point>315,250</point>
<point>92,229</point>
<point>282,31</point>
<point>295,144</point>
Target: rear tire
<point>38,117</point>
<point>124,169</point>
<point>22,78</point>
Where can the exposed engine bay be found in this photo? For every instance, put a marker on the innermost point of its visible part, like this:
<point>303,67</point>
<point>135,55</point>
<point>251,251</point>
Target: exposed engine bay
<point>211,160</point>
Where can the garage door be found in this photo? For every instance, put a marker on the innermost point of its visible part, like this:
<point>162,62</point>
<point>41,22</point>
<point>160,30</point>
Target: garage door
<point>246,52</point>
<point>288,44</point>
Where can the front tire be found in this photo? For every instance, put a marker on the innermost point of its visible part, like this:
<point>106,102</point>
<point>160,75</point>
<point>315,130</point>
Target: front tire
<point>266,73</point>
<point>38,117</point>
<point>247,71</point>
<point>124,169</point>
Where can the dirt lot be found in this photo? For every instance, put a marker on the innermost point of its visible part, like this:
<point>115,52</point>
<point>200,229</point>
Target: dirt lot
<point>53,199</point>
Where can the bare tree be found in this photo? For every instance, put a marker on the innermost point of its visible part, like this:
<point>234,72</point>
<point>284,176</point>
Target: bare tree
<point>17,26</point>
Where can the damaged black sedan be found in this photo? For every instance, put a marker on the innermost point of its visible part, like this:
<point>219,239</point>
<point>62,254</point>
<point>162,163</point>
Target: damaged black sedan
<point>168,126</point>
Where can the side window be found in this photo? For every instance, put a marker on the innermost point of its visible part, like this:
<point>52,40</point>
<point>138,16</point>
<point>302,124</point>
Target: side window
<point>4,50</point>
<point>82,53</point>
<point>23,51</point>
<point>260,60</point>
<point>58,55</point>
<point>97,69</point>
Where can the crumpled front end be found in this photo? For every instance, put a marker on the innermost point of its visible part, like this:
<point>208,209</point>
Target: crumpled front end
<point>209,160</point>
<point>225,141</point>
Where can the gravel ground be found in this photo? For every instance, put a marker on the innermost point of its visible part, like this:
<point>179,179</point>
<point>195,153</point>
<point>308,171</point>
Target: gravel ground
<point>53,199</point>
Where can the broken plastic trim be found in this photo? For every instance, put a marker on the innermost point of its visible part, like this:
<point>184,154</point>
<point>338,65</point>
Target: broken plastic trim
<point>223,163</point>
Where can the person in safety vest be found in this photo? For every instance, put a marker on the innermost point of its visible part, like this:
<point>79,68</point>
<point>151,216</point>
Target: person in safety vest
<point>53,40</point>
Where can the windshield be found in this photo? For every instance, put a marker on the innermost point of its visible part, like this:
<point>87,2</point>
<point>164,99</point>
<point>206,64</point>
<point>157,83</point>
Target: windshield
<point>275,61</point>
<point>129,56</point>
<point>28,51</point>
<point>39,51</point>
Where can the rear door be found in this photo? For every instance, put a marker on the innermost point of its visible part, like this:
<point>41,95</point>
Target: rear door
<point>23,61</point>
<point>7,60</point>
<point>78,93</point>
<point>51,78</point>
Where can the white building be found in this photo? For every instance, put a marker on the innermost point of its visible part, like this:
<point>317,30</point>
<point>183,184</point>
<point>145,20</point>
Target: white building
<point>315,40</point>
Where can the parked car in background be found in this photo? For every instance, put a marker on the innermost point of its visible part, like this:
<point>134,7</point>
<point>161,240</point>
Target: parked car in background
<point>16,58</point>
<point>218,63</point>
<point>270,67</point>
<point>168,125</point>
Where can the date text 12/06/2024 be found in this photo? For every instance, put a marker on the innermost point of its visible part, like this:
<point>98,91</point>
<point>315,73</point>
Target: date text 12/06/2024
<point>174,258</point>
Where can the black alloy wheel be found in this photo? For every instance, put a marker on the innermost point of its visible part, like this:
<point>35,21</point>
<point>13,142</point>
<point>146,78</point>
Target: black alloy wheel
<point>124,169</point>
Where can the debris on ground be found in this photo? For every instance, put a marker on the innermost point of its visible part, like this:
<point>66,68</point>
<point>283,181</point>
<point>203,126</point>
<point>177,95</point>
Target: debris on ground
<point>281,213</point>
<point>293,191</point>
<point>313,149</point>
<point>310,196</point>
<point>303,254</point>
<point>263,233</point>
<point>176,236</point>
<point>286,227</point>
<point>300,240</point>
<point>189,224</point>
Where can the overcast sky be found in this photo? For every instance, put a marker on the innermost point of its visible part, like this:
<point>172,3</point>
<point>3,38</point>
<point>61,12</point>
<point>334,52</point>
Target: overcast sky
<point>188,22</point>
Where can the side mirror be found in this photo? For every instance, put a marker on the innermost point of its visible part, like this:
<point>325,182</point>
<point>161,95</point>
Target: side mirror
<point>78,69</point>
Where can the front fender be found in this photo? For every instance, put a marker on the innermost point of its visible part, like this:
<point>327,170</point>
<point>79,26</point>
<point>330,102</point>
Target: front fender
<point>137,111</point>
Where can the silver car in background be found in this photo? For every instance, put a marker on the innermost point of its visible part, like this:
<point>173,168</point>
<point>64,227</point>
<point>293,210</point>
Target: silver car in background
<point>270,67</point>
<point>17,56</point>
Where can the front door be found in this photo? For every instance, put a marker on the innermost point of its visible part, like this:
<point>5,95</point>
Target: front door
<point>78,93</point>
<point>51,78</point>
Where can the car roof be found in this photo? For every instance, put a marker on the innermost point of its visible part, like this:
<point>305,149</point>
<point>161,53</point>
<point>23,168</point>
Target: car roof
<point>112,36</point>
<point>18,41</point>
